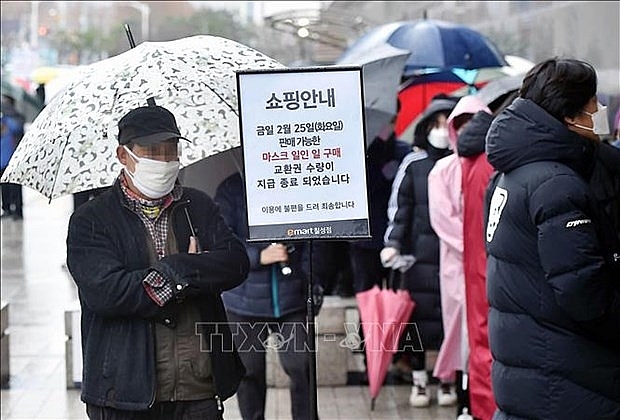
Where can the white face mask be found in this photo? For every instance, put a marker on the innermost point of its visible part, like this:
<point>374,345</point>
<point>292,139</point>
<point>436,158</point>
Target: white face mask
<point>600,123</point>
<point>439,138</point>
<point>151,177</point>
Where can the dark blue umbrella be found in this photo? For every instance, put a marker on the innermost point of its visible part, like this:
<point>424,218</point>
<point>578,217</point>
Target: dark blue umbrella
<point>435,46</point>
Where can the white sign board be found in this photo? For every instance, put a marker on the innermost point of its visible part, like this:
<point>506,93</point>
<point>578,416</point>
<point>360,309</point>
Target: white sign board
<point>302,135</point>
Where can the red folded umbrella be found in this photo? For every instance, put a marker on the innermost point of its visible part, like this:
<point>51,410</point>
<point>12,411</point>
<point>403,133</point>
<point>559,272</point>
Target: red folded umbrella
<point>384,314</point>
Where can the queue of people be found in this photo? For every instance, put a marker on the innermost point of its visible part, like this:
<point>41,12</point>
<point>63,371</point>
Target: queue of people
<point>511,220</point>
<point>458,199</point>
<point>409,233</point>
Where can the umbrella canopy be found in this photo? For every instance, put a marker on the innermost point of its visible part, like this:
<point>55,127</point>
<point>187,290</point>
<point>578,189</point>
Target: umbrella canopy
<point>71,145</point>
<point>383,315</point>
<point>382,70</point>
<point>208,173</point>
<point>414,99</point>
<point>417,91</point>
<point>494,92</point>
<point>433,44</point>
<point>44,74</point>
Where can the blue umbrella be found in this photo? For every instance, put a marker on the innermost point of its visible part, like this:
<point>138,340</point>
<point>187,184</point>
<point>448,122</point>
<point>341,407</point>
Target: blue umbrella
<point>434,45</point>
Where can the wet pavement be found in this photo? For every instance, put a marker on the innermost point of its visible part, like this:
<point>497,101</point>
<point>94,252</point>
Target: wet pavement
<point>39,289</point>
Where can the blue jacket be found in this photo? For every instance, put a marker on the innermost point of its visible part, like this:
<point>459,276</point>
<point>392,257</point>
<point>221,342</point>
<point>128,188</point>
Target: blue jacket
<point>12,132</point>
<point>266,292</point>
<point>108,255</point>
<point>552,283</point>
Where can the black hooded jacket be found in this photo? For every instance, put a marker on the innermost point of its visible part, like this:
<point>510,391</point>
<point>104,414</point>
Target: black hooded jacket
<point>554,320</point>
<point>108,255</point>
<point>471,141</point>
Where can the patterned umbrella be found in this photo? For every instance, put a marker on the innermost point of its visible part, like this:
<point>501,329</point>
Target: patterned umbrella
<point>71,145</point>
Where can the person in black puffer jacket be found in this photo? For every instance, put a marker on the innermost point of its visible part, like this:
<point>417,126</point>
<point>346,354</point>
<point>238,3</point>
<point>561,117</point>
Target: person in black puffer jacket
<point>553,281</point>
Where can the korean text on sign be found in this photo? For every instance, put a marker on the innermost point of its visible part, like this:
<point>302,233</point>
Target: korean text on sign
<point>305,99</point>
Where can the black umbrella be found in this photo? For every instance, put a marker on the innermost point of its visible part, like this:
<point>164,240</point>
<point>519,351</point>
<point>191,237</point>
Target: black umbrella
<point>495,92</point>
<point>382,70</point>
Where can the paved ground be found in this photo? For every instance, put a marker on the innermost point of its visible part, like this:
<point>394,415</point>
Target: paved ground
<point>39,290</point>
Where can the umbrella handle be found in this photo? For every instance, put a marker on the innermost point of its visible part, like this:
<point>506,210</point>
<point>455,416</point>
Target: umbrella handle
<point>192,231</point>
<point>150,101</point>
<point>391,279</point>
<point>401,283</point>
<point>372,404</point>
<point>132,43</point>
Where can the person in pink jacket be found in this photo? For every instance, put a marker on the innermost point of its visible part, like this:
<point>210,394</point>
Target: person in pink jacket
<point>446,217</point>
<point>476,172</point>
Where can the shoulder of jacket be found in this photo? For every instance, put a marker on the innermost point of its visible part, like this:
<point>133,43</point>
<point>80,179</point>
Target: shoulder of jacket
<point>415,155</point>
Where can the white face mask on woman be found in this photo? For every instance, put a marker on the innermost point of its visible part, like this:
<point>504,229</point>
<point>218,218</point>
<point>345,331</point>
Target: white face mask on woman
<point>439,138</point>
<point>600,123</point>
<point>153,178</point>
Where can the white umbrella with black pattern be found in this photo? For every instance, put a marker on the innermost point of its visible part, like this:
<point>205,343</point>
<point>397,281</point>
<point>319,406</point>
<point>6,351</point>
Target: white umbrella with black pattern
<point>71,146</point>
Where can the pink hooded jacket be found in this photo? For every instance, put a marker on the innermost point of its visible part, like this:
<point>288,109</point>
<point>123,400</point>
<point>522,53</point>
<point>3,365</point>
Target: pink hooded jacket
<point>445,203</point>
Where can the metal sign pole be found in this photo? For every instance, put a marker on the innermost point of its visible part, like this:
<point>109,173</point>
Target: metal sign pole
<point>311,339</point>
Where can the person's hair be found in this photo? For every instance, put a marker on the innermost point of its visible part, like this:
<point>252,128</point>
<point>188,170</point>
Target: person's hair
<point>461,119</point>
<point>431,122</point>
<point>562,87</point>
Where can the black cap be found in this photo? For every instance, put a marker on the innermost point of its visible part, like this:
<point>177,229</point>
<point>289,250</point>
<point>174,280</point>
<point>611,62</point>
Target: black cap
<point>148,125</point>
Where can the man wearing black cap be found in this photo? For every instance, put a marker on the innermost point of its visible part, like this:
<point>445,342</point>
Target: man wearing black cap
<point>150,259</point>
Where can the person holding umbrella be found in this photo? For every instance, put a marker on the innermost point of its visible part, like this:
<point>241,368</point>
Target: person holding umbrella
<point>409,233</point>
<point>150,259</point>
<point>383,156</point>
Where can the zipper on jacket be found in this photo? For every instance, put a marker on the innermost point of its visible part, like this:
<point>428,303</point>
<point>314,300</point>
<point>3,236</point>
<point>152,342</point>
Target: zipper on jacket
<point>274,292</point>
<point>154,365</point>
<point>176,366</point>
<point>218,401</point>
<point>174,208</point>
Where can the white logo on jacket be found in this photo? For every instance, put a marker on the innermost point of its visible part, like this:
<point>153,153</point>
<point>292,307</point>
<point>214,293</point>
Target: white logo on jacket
<point>574,223</point>
<point>498,201</point>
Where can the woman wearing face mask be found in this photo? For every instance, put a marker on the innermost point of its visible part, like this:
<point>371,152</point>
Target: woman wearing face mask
<point>553,280</point>
<point>445,205</point>
<point>409,233</point>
